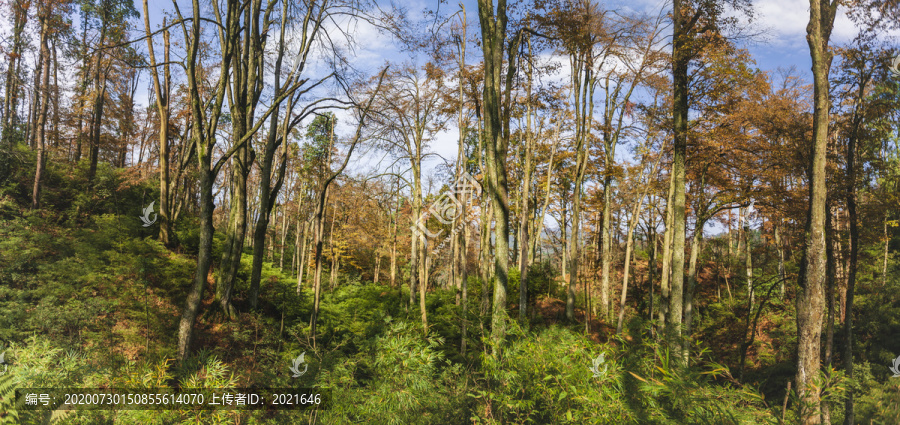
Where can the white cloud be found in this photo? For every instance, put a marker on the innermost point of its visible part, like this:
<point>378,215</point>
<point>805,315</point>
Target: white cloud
<point>784,22</point>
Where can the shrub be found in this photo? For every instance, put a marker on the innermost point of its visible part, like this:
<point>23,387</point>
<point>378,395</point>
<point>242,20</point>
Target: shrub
<point>403,379</point>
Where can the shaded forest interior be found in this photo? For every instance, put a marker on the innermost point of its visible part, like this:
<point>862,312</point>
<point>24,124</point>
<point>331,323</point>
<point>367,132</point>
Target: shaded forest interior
<point>551,212</point>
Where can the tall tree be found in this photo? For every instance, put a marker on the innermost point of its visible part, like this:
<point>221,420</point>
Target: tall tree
<point>681,57</point>
<point>206,102</point>
<point>643,186</point>
<point>462,161</point>
<point>696,24</point>
<point>493,22</point>
<point>525,207</point>
<point>319,223</point>
<point>585,32</point>
<point>811,299</point>
<point>867,111</point>
<point>411,112</point>
<point>204,125</point>
<point>244,89</point>
<point>110,19</point>
<point>45,14</point>
<point>13,85</point>
<point>280,127</point>
<point>633,43</point>
<point>161,92</point>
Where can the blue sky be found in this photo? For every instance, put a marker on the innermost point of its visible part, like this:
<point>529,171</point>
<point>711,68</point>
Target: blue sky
<point>779,31</point>
<point>777,40</point>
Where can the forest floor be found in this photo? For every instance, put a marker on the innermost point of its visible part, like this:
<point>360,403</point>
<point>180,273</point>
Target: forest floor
<point>98,294</point>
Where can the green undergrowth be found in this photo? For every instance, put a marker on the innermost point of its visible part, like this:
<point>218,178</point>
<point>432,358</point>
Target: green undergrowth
<point>89,298</point>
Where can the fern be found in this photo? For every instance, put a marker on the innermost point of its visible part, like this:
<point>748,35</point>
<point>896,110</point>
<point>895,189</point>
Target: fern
<point>8,414</point>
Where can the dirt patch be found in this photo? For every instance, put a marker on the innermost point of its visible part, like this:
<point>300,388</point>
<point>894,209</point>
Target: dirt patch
<point>553,311</point>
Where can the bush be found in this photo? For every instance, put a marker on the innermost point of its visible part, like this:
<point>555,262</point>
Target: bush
<point>876,402</point>
<point>403,379</point>
<point>547,378</point>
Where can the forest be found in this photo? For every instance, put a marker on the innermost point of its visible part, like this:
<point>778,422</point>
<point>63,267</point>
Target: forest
<point>490,212</point>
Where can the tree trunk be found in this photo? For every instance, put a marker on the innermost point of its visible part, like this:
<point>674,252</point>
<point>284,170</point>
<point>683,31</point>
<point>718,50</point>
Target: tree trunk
<point>295,255</point>
<point>335,269</point>
<point>236,226</point>
<point>414,256</point>
<point>741,236</point>
<point>681,82</point>
<point>887,244</point>
<point>320,208</point>
<point>564,237</point>
<point>831,275</point>
<point>849,414</point>
<point>539,220</point>
<point>780,247</point>
<point>97,111</point>
<point>14,64</point>
<point>666,258</point>
<point>195,295</point>
<point>696,247</point>
<point>161,94</point>
<point>301,256</point>
<point>465,289</point>
<point>454,260</point>
<point>525,207</point>
<point>424,264</point>
<point>394,249</point>
<point>35,106</point>
<point>651,263</point>
<point>462,246</point>
<point>244,86</point>
<point>748,260</point>
<point>334,253</point>
<point>810,302</point>
<point>317,279</point>
<point>56,98</point>
<point>269,242</point>
<point>493,37</point>
<point>377,267</point>
<point>485,257</point>
<point>730,237</point>
<point>268,194</point>
<point>308,248</point>
<point>629,246</point>
<point>203,134</point>
<point>583,91</point>
<point>417,257</point>
<point>41,124</point>
<point>585,284</point>
<point>82,89</point>
<point>284,230</point>
<point>606,247</point>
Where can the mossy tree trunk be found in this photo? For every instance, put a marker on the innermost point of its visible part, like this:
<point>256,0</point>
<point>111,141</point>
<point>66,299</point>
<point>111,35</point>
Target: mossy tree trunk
<point>811,299</point>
